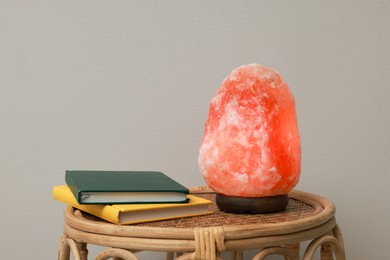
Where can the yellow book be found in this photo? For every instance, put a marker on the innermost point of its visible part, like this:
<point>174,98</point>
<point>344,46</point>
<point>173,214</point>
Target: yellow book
<point>136,213</point>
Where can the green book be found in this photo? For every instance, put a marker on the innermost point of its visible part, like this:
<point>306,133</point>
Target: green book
<point>124,187</point>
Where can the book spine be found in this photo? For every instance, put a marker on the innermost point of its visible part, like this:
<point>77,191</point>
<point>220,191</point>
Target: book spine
<point>69,179</point>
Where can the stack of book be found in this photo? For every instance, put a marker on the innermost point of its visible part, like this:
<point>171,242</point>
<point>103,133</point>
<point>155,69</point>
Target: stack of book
<point>129,197</point>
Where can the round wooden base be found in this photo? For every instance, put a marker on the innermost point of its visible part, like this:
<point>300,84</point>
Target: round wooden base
<point>251,205</point>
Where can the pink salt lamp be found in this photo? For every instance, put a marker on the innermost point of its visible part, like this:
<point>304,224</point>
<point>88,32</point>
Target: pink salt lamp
<point>250,153</point>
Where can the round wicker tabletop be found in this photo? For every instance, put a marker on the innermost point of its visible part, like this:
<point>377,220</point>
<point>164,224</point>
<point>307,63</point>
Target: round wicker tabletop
<point>306,217</point>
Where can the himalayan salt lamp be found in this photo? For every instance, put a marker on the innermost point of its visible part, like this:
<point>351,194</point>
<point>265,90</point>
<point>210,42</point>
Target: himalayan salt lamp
<point>250,153</point>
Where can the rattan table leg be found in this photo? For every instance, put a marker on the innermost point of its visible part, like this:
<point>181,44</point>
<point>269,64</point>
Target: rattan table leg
<point>237,255</point>
<point>82,247</point>
<point>294,250</point>
<point>186,256</point>
<point>326,252</point>
<point>116,253</point>
<point>173,255</point>
<point>73,248</point>
<point>329,245</point>
<point>193,256</point>
<point>169,256</point>
<point>338,235</point>
<point>274,250</point>
<point>64,252</point>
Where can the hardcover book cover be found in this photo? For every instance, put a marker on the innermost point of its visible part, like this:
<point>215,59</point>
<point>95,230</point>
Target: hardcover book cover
<point>136,213</point>
<point>123,187</point>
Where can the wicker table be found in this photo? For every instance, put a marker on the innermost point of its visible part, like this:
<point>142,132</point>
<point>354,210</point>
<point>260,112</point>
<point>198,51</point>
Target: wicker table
<point>307,217</point>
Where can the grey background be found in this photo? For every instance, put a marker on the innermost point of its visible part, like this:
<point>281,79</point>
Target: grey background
<point>125,85</point>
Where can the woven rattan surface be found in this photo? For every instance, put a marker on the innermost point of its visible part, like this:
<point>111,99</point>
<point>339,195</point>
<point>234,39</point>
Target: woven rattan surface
<point>295,210</point>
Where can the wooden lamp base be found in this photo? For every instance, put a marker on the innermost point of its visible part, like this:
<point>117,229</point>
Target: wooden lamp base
<point>251,205</point>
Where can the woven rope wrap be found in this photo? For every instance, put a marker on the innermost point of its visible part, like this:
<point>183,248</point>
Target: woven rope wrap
<point>208,242</point>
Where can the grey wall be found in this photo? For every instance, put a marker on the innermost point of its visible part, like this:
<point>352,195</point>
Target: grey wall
<point>126,85</point>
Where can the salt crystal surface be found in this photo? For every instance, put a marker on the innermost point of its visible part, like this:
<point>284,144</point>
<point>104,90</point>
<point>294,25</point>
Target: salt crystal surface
<point>251,143</point>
